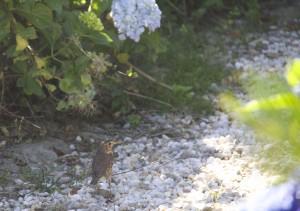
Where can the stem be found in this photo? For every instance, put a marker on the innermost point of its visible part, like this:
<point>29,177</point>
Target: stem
<point>148,76</point>
<point>176,8</point>
<point>149,98</point>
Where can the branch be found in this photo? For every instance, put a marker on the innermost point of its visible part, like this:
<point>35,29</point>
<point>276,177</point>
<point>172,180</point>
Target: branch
<point>177,9</point>
<point>149,98</point>
<point>148,76</point>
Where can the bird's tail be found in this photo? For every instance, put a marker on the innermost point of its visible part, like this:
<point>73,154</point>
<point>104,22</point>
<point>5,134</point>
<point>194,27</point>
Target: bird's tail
<point>93,182</point>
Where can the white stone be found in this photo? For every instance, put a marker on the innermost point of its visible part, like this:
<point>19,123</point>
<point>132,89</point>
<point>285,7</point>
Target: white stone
<point>72,147</point>
<point>156,181</point>
<point>78,139</point>
<point>18,181</point>
<point>167,194</point>
<point>127,125</point>
<point>75,197</point>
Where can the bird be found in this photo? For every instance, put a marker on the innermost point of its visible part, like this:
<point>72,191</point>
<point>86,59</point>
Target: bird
<point>103,162</point>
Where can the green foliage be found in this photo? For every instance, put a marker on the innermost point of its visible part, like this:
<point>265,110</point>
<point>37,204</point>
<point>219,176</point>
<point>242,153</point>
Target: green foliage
<point>274,116</point>
<point>187,11</point>
<point>51,48</point>
<point>186,66</point>
<point>178,11</point>
<point>41,178</point>
<point>253,12</point>
<point>134,120</point>
<point>91,20</point>
<point>68,52</point>
<point>5,178</point>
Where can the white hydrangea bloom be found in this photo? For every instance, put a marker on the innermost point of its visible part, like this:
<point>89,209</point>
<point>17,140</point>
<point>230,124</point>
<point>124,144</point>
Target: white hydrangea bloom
<point>132,16</point>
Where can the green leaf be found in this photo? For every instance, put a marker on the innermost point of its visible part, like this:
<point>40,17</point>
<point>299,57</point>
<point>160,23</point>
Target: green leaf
<point>100,5</point>
<point>40,62</point>
<point>28,4</point>
<point>50,87</point>
<point>81,63</point>
<point>260,87</point>
<point>52,33</point>
<point>20,67</point>
<point>22,43</point>
<point>45,74</point>
<point>276,102</point>
<point>131,73</point>
<point>28,32</point>
<point>70,24</point>
<point>4,24</point>
<point>33,72</point>
<point>67,86</point>
<point>4,31</point>
<point>99,38</point>
<point>123,58</point>
<point>5,131</point>
<point>30,86</point>
<point>181,90</point>
<point>86,79</point>
<point>55,5</point>
<point>62,105</point>
<point>39,15</point>
<point>293,73</point>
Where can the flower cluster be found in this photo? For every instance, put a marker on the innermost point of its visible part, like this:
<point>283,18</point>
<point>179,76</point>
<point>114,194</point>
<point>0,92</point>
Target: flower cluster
<point>131,17</point>
<point>283,197</point>
<point>91,20</point>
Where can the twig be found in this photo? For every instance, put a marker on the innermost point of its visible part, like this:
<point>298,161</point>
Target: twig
<point>184,7</point>
<point>148,76</point>
<point>32,112</point>
<point>2,92</point>
<point>176,8</point>
<point>149,98</point>
<point>22,118</point>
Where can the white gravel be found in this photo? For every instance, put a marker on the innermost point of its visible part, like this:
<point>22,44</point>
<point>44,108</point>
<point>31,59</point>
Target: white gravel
<point>199,164</point>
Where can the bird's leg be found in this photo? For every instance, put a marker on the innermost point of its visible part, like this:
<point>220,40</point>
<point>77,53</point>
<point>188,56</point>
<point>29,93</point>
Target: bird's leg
<point>98,189</point>
<point>109,185</point>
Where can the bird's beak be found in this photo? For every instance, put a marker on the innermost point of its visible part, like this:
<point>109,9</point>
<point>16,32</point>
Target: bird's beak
<point>116,143</point>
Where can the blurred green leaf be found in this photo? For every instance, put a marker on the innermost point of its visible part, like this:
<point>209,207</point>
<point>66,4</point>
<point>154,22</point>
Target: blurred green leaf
<point>67,86</point>
<point>101,5</point>
<point>4,23</point>
<point>28,32</point>
<point>30,85</point>
<point>99,38</point>
<point>52,33</point>
<point>22,43</point>
<point>280,101</point>
<point>20,67</point>
<point>45,74</point>
<point>55,5</point>
<point>50,87</point>
<point>86,79</point>
<point>293,73</point>
<point>39,15</point>
<point>123,58</point>
<point>5,131</point>
<point>62,105</point>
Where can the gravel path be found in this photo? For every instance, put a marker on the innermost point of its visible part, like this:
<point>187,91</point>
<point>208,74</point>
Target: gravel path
<point>181,163</point>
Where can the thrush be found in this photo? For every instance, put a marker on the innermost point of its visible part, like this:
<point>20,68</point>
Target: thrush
<point>103,162</point>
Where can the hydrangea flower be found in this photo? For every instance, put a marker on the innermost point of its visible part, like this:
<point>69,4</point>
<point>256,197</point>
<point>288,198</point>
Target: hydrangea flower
<point>284,197</point>
<point>131,17</point>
